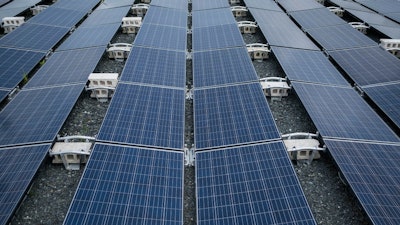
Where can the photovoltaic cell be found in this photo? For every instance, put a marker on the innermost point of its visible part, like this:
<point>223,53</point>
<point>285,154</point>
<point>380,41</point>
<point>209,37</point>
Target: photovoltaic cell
<point>280,30</point>
<point>166,16</point>
<point>372,171</point>
<point>53,16</point>
<point>155,66</point>
<point>368,65</point>
<point>341,112</point>
<point>109,4</point>
<point>16,7</point>
<point>217,37</point>
<point>386,97</point>
<point>123,185</point>
<point>232,115</point>
<point>315,18</point>
<point>291,5</point>
<point>3,94</point>
<point>16,64</point>
<point>373,18</point>
<point>394,16</point>
<point>249,185</point>
<point>381,7</point>
<point>340,37</point>
<point>17,169</point>
<point>350,5</point>
<point>209,4</point>
<point>263,4</point>
<point>391,32</point>
<point>176,4</point>
<point>213,17</point>
<point>222,67</point>
<point>146,116</point>
<point>34,37</point>
<point>35,116</point>
<point>163,37</point>
<point>67,67</point>
<point>106,16</point>
<point>308,66</point>
<point>79,5</point>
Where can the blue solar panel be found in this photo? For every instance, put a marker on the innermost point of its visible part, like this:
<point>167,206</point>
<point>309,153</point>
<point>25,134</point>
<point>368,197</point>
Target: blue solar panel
<point>79,5</point>
<point>341,112</point>
<point>155,66</point>
<point>17,169</point>
<point>213,17</point>
<point>146,116</point>
<point>34,37</point>
<point>280,30</point>
<point>209,4</point>
<point>217,37</point>
<point>340,37</point>
<point>394,16</point>
<point>166,16</point>
<point>86,37</point>
<point>16,7</point>
<point>176,4</point>
<point>3,2</point>
<point>391,32</point>
<point>315,18</point>
<point>6,12</point>
<point>106,16</point>
<point>232,115</point>
<point>387,99</point>
<point>368,65</point>
<point>291,5</point>
<point>263,4</point>
<point>308,66</point>
<point>67,67</point>
<point>249,185</point>
<point>58,17</point>
<point>372,171</point>
<point>123,185</point>
<point>350,5</point>
<point>3,94</point>
<point>373,18</point>
<point>16,64</point>
<point>163,37</point>
<point>222,67</point>
<point>381,6</point>
<point>35,116</point>
<point>109,4</point>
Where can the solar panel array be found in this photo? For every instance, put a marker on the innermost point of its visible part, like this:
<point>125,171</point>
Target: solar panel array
<point>15,7</point>
<point>390,9</point>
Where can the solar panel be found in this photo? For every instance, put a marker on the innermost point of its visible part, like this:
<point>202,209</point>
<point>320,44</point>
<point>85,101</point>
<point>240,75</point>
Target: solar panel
<point>34,37</point>
<point>109,4</point>
<point>166,16</point>
<point>53,16</point>
<point>16,64</point>
<point>253,184</point>
<point>155,66</point>
<point>209,4</point>
<point>315,18</point>
<point>123,185</point>
<point>35,116</point>
<point>106,16</point>
<point>291,5</point>
<point>350,5</point>
<point>308,66</point>
<point>387,99</point>
<point>17,169</point>
<point>84,6</point>
<point>372,171</point>
<point>213,17</point>
<point>16,7</point>
<point>340,37</point>
<point>391,32</point>
<point>163,37</point>
<point>387,7</point>
<point>280,30</point>
<point>263,4</point>
<point>93,36</point>
<point>232,115</point>
<point>3,94</point>
<point>373,18</point>
<point>394,16</point>
<point>217,37</point>
<point>176,4</point>
<point>3,2</point>
<point>221,67</point>
<point>340,112</point>
<point>368,65</point>
<point>146,116</point>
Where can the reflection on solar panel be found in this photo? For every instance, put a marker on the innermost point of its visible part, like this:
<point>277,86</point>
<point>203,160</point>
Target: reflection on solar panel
<point>34,37</point>
<point>387,98</point>
<point>249,185</point>
<point>123,185</point>
<point>341,112</point>
<point>291,5</point>
<point>58,17</point>
<point>222,67</point>
<point>17,168</point>
<point>340,37</point>
<point>176,4</point>
<point>147,116</point>
<point>106,16</point>
<point>67,67</point>
<point>263,4</point>
<point>36,115</point>
<point>232,115</point>
<point>109,4</point>
<point>314,18</point>
<point>350,5</point>
<point>155,66</point>
<point>209,4</point>
<point>372,171</point>
<point>164,37</point>
<point>308,66</point>
<point>213,17</point>
<point>15,64</point>
<point>166,16</point>
<point>79,5</point>
<point>279,30</point>
<point>368,65</point>
<point>3,94</point>
<point>86,37</point>
<point>217,37</point>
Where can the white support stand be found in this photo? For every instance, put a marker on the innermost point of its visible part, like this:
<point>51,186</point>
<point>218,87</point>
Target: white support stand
<point>258,51</point>
<point>140,9</point>
<point>359,26</point>
<point>337,10</point>
<point>391,45</point>
<point>275,87</point>
<point>102,85</point>
<point>189,156</point>
<point>119,51</point>
<point>247,27</point>
<point>239,11</point>
<point>189,94</point>
<point>11,23</point>
<point>302,146</point>
<point>131,25</point>
<point>38,9</point>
